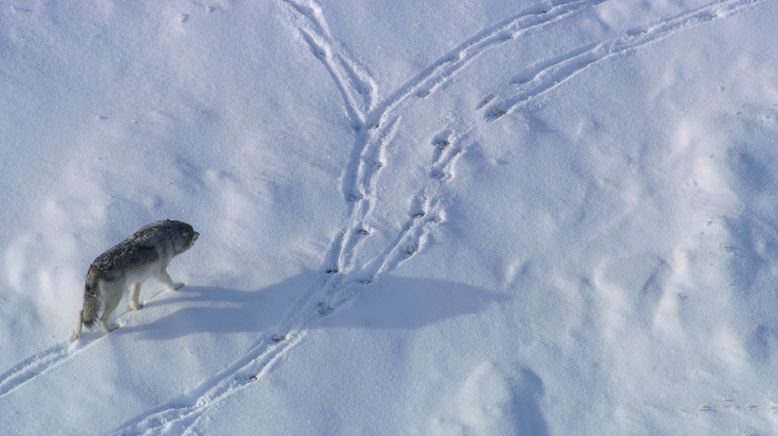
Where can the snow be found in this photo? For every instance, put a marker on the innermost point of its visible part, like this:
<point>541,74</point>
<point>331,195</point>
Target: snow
<point>433,218</point>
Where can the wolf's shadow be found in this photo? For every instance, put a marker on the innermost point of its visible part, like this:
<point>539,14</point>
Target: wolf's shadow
<point>389,303</point>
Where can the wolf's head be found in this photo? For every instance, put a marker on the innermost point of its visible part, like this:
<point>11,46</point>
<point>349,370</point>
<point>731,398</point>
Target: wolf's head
<point>184,236</point>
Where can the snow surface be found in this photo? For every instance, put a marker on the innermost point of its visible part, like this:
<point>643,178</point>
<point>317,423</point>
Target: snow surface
<point>434,218</point>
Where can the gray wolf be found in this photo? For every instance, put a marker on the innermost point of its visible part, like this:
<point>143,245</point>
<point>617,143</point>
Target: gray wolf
<point>146,253</point>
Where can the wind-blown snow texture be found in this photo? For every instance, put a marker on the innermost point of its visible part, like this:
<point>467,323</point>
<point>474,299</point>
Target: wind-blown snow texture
<point>434,218</point>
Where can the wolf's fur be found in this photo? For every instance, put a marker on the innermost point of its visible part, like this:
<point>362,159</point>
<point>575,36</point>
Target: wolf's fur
<point>145,253</point>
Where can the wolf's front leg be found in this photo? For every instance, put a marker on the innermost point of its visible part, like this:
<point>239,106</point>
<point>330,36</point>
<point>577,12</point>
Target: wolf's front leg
<point>134,292</point>
<point>170,285</point>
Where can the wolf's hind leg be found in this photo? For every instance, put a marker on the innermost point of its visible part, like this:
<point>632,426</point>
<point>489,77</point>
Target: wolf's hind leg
<point>134,292</point>
<point>170,285</point>
<point>114,295</point>
<point>77,327</point>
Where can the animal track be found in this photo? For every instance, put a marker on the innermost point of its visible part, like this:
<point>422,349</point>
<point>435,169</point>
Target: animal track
<point>446,153</point>
<point>484,101</point>
<point>358,185</point>
<point>324,309</point>
<point>367,156</point>
<point>356,86</point>
<point>550,74</point>
<point>50,358</point>
<point>320,301</point>
<point>447,66</point>
<point>32,367</point>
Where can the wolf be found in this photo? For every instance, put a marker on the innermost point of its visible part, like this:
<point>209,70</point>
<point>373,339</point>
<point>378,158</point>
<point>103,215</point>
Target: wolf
<point>146,253</point>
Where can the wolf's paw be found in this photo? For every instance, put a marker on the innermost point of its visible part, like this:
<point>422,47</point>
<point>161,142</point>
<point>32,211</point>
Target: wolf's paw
<point>108,328</point>
<point>135,306</point>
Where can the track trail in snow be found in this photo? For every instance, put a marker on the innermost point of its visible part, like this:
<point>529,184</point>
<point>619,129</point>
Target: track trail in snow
<point>342,278</point>
<point>32,367</point>
<point>547,75</point>
<point>50,358</point>
<point>375,123</point>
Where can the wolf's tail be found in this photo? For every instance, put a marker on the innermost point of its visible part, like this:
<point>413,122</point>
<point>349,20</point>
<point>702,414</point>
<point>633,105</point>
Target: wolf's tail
<point>91,298</point>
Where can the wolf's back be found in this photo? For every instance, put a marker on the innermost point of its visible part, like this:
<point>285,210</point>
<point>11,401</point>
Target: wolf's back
<point>91,307</point>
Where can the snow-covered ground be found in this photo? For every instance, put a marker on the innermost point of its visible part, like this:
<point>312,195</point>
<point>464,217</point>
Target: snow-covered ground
<point>452,217</point>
